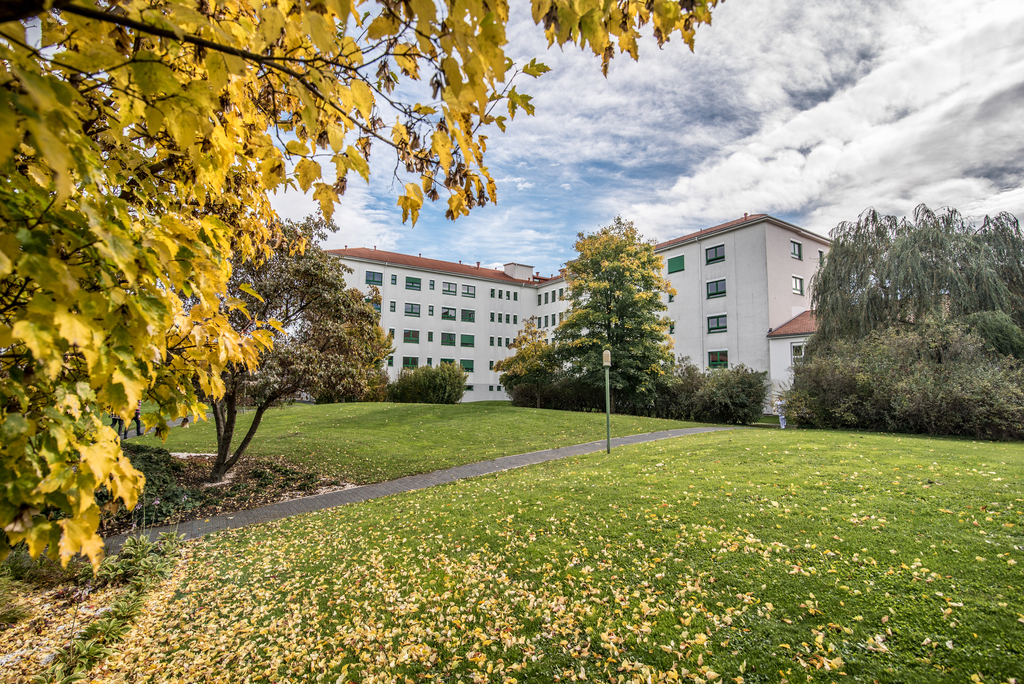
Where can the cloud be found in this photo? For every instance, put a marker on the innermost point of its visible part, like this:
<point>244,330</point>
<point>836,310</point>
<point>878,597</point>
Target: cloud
<point>524,186</point>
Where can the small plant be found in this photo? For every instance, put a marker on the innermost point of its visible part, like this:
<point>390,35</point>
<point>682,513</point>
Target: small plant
<point>10,610</point>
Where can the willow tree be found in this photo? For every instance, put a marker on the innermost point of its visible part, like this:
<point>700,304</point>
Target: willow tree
<point>884,271</point>
<point>615,289</point>
<point>139,141</point>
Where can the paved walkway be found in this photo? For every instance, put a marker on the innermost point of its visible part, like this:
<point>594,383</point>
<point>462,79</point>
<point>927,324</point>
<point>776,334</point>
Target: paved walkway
<point>285,509</point>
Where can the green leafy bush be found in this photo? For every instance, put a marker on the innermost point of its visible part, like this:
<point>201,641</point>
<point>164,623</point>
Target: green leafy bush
<point>936,379</point>
<point>162,496</point>
<point>731,395</point>
<point>443,384</point>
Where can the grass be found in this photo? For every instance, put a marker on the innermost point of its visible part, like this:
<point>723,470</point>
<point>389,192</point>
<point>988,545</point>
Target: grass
<point>741,556</point>
<point>364,443</point>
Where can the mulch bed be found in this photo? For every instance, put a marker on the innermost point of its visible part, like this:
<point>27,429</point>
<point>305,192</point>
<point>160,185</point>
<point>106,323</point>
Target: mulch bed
<point>251,483</point>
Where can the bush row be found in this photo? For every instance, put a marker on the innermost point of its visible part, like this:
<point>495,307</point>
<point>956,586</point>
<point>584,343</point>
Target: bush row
<point>936,379</point>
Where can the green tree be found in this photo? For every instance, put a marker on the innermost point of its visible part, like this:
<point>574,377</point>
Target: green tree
<point>534,364</point>
<point>139,141</point>
<point>615,287</point>
<point>884,272</point>
<point>333,340</point>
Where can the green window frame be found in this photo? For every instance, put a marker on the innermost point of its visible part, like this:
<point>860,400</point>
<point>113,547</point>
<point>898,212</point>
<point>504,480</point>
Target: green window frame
<point>671,298</point>
<point>676,264</point>
<point>492,340</point>
<point>491,365</point>
<point>412,309</point>
<point>469,290</point>
<point>469,388</point>
<point>798,285</point>
<point>492,293</point>
<point>430,336</point>
<point>411,336</point>
<point>394,279</point>
<point>718,359</point>
<point>515,319</point>
<point>671,328</point>
<point>539,297</point>
<point>716,288</point>
<point>492,317</point>
<point>410,361</point>
<point>500,292</point>
<point>561,293</point>
<point>467,341</point>
<point>391,362</point>
<point>391,333</point>
<point>713,255</point>
<point>431,284</point>
<point>448,313</point>
<point>447,339</point>
<point>449,288</point>
<point>545,297</point>
<point>374,278</point>
<point>717,324</point>
<point>430,310</point>
<point>413,283</point>
<point>376,307</point>
<point>468,316</point>
<point>796,250</point>
<point>451,361</point>
<point>392,306</point>
<point>430,361</point>
<point>515,296</point>
<point>467,365</point>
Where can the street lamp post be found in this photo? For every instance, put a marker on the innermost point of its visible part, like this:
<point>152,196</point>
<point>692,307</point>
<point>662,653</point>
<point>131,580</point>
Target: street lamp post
<point>607,400</point>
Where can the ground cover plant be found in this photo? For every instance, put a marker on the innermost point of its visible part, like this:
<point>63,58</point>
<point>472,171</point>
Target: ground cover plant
<point>741,556</point>
<point>371,442</point>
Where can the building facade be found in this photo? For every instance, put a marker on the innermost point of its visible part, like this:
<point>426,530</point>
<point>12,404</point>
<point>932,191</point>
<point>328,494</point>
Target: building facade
<point>735,283</point>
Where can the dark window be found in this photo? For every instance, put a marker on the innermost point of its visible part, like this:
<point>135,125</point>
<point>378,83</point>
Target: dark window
<point>539,300</point>
<point>515,319</point>
<point>391,361</point>
<point>491,365</point>
<point>430,338</point>
<point>374,278</point>
<point>716,323</point>
<point>411,336</point>
<point>430,361</point>
<point>796,250</point>
<point>671,298</point>
<point>412,309</point>
<point>561,293</point>
<point>447,361</point>
<point>718,359</point>
<point>467,341</point>
<point>492,317</point>
<point>412,283</point>
<point>394,279</point>
<point>468,316</point>
<point>492,293</point>
<point>447,339</point>
<point>714,254</point>
<point>492,341</point>
<point>515,296</point>
<point>430,310</point>
<point>431,284</point>
<point>410,361</point>
<point>469,388</point>
<point>676,264</point>
<point>671,328</point>
<point>545,297</point>
<point>447,313</point>
<point>716,288</point>
<point>499,318</point>
<point>500,292</point>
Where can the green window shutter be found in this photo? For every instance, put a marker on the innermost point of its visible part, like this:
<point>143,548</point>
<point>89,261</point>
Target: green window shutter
<point>447,360</point>
<point>676,264</point>
<point>467,341</point>
<point>467,365</point>
<point>412,283</point>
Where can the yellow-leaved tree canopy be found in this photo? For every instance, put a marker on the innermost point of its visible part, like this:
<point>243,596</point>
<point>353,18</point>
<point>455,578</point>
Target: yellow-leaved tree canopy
<point>139,140</point>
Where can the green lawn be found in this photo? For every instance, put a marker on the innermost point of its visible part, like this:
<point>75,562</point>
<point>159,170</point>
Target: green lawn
<point>745,556</point>
<point>371,442</point>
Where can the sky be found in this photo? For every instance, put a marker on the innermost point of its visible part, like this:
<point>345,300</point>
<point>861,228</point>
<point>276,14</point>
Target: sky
<point>809,110</point>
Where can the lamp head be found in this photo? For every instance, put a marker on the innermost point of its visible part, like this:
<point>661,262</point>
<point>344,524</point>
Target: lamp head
<point>607,357</point>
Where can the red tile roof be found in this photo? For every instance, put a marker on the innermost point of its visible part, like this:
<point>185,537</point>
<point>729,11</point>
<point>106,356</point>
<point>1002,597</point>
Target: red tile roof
<point>803,324</point>
<point>432,264</point>
<point>707,231</point>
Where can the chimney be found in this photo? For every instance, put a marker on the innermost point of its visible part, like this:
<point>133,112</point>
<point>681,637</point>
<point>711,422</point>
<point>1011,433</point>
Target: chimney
<point>478,264</point>
<point>538,274</point>
<point>421,253</point>
<point>375,248</point>
<point>346,246</point>
<point>744,214</point>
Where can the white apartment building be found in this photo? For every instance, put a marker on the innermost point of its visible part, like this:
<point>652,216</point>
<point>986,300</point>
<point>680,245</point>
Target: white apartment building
<point>736,284</point>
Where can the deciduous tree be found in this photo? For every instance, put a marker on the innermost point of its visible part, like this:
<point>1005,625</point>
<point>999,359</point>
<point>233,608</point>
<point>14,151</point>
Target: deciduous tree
<point>615,287</point>
<point>139,140</point>
<point>533,365</point>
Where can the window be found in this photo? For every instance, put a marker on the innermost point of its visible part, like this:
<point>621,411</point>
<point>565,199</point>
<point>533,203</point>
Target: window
<point>469,290</point>
<point>561,293</point>
<point>796,352</point>
<point>561,316</point>
<point>492,340</point>
<point>447,339</point>
<point>467,341</point>
<point>469,388</point>
<point>515,319</point>
<point>412,283</point>
<point>443,361</point>
<point>411,336</point>
<point>796,250</point>
<point>412,309</point>
<point>430,361</point>
<point>490,388</point>
<point>492,317</point>
<point>374,278</point>
<point>716,323</point>
<point>545,321</point>
<point>713,254</point>
<point>676,264</point>
<point>431,284</point>
<point>376,307</point>
<point>718,359</point>
<point>716,288</point>
<point>671,298</point>
<point>447,313</point>
<point>500,292</point>
<point>539,300</point>
<point>430,310</point>
<point>467,364</point>
<point>499,318</point>
<point>492,293</point>
<point>545,297</point>
<point>821,255</point>
<point>449,288</point>
<point>468,316</point>
<point>430,338</point>
<point>671,328</point>
<point>410,361</point>
<point>499,341</point>
<point>394,279</point>
<point>515,296</point>
<point>392,306</point>
<point>391,361</point>
<point>798,285</point>
<point>391,333</point>
<point>499,388</point>
<point>491,366</point>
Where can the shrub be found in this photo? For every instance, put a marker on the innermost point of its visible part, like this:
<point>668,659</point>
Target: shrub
<point>731,395</point>
<point>444,384</point>
<point>162,496</point>
<point>937,379</point>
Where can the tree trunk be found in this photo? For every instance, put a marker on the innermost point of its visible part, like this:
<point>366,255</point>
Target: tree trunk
<point>224,462</point>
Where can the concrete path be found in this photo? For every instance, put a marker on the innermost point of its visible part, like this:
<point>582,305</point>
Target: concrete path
<point>285,509</point>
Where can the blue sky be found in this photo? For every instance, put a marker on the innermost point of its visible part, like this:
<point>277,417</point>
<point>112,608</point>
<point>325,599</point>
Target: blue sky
<point>810,110</point>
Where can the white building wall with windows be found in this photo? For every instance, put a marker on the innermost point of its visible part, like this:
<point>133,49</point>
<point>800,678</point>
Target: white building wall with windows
<point>734,284</point>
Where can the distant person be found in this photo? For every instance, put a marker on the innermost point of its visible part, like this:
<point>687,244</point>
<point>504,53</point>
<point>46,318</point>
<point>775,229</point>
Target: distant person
<point>780,406</point>
<point>118,425</point>
<point>139,431</point>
